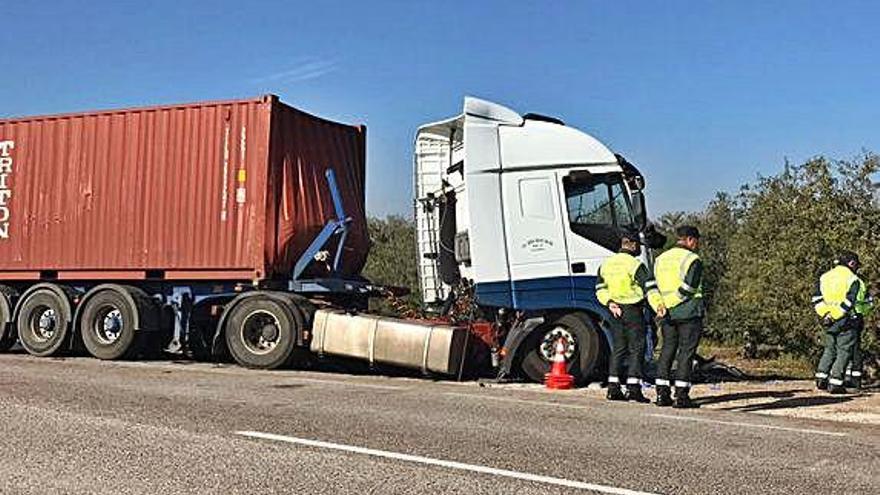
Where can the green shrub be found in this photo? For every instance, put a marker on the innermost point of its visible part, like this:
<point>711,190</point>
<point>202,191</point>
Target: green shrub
<point>765,248</point>
<point>393,258</point>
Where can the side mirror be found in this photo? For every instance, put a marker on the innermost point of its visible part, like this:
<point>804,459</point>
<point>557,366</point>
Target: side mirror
<point>639,212</point>
<point>634,178</point>
<point>654,239</point>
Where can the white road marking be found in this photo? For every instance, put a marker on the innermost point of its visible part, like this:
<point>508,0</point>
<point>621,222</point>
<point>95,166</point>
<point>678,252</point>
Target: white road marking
<point>748,425</point>
<point>475,468</point>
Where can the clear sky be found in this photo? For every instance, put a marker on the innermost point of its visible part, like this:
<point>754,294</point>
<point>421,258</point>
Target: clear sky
<point>701,95</point>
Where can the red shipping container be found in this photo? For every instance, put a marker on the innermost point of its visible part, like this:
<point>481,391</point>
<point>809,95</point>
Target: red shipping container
<point>230,190</point>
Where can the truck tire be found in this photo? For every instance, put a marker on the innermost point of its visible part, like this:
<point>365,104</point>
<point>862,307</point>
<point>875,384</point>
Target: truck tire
<point>8,334</point>
<point>261,331</point>
<point>44,321</point>
<point>582,352</point>
<point>114,322</point>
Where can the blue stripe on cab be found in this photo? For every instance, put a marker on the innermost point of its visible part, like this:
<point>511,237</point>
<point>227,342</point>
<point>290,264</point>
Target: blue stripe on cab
<point>495,294</point>
<point>546,293</point>
<point>584,291</point>
<point>539,293</point>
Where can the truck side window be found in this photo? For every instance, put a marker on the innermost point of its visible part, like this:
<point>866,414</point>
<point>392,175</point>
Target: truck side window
<point>597,207</point>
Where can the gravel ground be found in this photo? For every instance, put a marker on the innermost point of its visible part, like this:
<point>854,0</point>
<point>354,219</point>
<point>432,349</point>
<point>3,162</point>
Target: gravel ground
<point>788,398</point>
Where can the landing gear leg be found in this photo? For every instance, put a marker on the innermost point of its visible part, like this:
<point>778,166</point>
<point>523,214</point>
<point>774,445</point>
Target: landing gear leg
<point>181,304</point>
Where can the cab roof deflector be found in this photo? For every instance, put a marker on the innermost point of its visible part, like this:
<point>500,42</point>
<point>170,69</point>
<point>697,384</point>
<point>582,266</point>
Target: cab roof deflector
<point>492,111</point>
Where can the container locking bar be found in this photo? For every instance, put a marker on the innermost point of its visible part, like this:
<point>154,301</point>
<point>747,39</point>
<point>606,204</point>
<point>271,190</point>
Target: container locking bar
<point>336,226</point>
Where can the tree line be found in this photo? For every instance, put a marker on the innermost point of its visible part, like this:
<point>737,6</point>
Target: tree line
<point>763,246</point>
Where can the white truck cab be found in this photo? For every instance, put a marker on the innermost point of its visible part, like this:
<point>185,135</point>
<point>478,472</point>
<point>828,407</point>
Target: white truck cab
<point>517,212</point>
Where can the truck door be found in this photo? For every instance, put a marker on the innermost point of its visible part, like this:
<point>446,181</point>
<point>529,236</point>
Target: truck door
<point>537,257</point>
<point>597,207</point>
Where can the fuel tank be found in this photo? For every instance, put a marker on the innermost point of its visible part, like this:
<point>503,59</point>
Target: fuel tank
<point>426,346</point>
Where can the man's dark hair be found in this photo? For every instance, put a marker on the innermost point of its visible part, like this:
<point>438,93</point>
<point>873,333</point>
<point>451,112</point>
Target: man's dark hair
<point>846,258</point>
<point>687,231</point>
<point>630,235</point>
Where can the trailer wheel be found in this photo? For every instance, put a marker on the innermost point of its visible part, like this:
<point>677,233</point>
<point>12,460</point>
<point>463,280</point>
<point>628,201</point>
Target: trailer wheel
<point>8,335</point>
<point>261,332</point>
<point>581,351</point>
<point>44,322</point>
<point>112,319</point>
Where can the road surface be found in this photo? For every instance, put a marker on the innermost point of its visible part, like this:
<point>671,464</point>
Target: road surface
<point>82,426</point>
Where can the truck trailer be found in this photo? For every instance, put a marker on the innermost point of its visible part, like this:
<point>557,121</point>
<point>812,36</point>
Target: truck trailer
<point>238,228</point>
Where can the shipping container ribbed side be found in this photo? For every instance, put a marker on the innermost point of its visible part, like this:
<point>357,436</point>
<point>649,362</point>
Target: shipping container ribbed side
<point>230,190</point>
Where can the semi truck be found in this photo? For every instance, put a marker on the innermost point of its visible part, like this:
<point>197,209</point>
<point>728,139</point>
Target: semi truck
<point>238,228</point>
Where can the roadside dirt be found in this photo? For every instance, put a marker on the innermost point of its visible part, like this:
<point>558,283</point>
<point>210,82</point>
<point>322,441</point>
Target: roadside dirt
<point>792,398</point>
<point>798,399</point>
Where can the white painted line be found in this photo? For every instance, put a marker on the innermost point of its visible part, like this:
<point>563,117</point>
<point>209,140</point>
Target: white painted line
<point>748,425</point>
<point>537,478</point>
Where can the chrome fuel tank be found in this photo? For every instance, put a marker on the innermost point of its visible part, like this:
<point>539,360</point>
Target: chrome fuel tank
<point>429,347</point>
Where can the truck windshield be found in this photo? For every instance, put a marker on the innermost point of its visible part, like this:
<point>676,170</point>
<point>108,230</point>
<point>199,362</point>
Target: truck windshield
<point>598,206</point>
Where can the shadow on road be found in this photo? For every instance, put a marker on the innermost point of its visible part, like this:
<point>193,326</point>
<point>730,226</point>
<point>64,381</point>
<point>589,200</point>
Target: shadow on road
<point>761,394</point>
<point>288,385</point>
<point>794,402</point>
<point>871,389</point>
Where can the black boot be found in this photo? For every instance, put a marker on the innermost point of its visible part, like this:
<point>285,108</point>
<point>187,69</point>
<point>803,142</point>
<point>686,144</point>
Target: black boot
<point>683,399</point>
<point>857,382</point>
<point>837,390</point>
<point>614,392</point>
<point>853,381</point>
<point>821,384</point>
<point>664,397</point>
<point>634,393</point>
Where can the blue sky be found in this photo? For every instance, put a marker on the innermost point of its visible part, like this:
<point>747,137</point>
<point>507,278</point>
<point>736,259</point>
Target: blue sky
<point>703,96</point>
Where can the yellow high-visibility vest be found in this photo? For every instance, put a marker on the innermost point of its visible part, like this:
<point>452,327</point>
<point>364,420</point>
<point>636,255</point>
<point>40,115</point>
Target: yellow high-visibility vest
<point>670,270</point>
<point>619,277</point>
<point>864,303</point>
<point>834,285</point>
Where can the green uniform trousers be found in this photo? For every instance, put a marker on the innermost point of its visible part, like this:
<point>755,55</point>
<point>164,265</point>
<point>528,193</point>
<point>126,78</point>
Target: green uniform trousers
<point>680,341</point>
<point>855,366</point>
<point>839,342</point>
<point>628,346</point>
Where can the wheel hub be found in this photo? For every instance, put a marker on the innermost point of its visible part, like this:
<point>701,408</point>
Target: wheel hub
<point>111,326</point>
<point>270,333</point>
<point>548,343</point>
<point>47,324</point>
<point>260,332</point>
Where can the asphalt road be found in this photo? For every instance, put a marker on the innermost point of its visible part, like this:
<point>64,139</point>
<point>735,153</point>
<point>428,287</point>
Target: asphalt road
<point>79,425</point>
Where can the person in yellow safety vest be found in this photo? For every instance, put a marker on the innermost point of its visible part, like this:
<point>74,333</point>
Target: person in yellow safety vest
<point>854,371</point>
<point>679,274</point>
<point>838,293</point>
<point>623,284</point>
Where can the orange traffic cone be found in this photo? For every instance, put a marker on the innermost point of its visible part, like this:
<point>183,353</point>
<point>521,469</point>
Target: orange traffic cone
<point>558,378</point>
